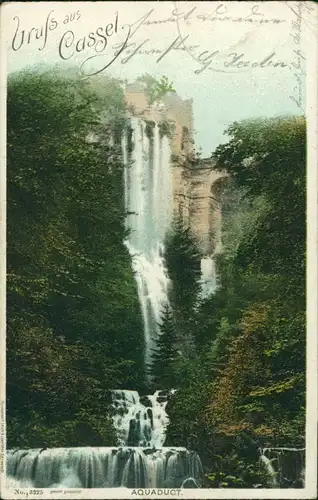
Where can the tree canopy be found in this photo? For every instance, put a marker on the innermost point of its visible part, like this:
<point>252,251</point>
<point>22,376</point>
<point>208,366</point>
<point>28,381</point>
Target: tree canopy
<point>247,377</point>
<point>74,329</point>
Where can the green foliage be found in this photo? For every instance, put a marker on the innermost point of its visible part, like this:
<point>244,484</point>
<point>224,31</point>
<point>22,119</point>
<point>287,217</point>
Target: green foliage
<point>186,408</point>
<point>183,260</point>
<point>247,374</point>
<point>164,353</point>
<point>233,471</point>
<point>166,128</point>
<point>156,89</point>
<point>240,216</point>
<point>74,325</point>
<point>257,157</point>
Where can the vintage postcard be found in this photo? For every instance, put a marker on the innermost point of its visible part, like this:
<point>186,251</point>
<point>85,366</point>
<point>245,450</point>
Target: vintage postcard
<point>159,250</point>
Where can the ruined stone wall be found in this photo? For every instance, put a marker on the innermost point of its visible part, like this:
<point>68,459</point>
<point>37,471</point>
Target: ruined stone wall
<point>173,109</point>
<point>196,200</point>
<point>205,208</point>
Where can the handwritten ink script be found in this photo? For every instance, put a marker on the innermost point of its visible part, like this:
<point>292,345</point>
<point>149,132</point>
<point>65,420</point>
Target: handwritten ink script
<point>116,42</point>
<point>204,59</point>
<point>221,13</point>
<point>298,64</point>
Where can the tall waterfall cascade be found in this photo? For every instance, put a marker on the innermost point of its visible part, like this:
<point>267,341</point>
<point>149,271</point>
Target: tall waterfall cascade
<point>148,201</point>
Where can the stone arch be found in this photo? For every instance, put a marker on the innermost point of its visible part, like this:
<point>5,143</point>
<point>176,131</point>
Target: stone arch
<point>217,185</point>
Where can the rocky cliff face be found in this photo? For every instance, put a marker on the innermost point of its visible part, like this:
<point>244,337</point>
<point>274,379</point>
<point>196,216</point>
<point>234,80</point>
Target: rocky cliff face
<point>195,184</point>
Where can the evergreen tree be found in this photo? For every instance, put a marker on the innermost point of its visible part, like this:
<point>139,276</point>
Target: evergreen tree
<point>183,260</point>
<point>164,353</point>
<point>184,267</point>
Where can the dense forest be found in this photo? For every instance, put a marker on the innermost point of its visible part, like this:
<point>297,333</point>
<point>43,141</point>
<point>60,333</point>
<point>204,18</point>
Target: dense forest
<point>242,384</point>
<point>74,327</point>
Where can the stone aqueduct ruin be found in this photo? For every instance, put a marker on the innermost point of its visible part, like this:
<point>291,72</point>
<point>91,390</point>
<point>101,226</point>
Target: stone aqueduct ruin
<point>195,184</point>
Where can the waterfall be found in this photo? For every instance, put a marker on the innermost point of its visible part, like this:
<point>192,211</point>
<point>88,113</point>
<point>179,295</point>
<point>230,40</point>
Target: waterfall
<point>267,464</point>
<point>285,466</point>
<point>148,200</point>
<point>208,276</point>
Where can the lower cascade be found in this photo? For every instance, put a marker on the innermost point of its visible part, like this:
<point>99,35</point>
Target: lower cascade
<point>103,467</point>
<point>142,460</point>
<point>140,421</point>
<point>285,466</point>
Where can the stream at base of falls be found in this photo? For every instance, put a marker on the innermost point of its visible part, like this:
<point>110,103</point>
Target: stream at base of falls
<point>141,459</point>
<point>104,468</point>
